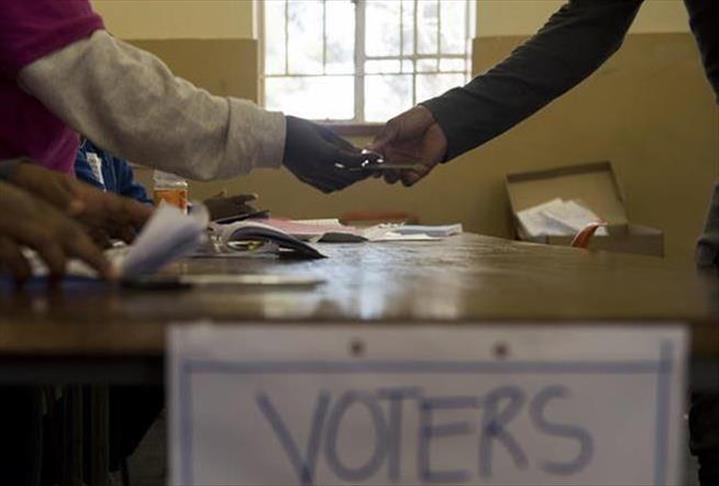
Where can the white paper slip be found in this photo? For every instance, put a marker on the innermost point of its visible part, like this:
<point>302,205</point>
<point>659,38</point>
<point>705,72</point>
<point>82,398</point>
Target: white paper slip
<point>429,230</point>
<point>426,403</point>
<point>396,236</point>
<point>167,236</point>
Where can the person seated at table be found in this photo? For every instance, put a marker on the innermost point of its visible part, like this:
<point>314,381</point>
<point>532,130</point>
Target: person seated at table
<point>103,170</point>
<point>62,73</point>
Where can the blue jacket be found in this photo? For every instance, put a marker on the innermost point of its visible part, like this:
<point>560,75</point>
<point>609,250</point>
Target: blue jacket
<point>115,175</point>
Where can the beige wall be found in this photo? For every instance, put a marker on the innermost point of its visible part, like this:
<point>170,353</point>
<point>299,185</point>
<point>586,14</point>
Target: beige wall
<point>178,19</point>
<point>212,19</point>
<point>524,17</point>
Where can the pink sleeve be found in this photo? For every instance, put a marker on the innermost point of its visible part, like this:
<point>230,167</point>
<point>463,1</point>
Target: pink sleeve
<point>31,29</point>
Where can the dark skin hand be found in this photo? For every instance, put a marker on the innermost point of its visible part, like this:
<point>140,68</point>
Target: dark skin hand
<point>106,215</point>
<point>413,137</point>
<point>31,222</point>
<point>311,152</point>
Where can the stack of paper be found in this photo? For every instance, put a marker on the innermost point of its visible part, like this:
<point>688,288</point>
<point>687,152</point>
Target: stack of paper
<point>557,217</point>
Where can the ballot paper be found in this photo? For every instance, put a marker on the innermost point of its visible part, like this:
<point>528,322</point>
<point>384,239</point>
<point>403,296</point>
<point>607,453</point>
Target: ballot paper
<point>167,236</point>
<point>557,217</point>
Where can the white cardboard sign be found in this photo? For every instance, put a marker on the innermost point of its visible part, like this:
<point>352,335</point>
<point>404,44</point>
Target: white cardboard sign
<point>426,404</point>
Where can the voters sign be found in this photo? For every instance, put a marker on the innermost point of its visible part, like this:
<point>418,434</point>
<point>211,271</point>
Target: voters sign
<point>426,404</point>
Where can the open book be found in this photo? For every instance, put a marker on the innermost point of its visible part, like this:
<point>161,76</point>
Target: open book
<point>254,237</point>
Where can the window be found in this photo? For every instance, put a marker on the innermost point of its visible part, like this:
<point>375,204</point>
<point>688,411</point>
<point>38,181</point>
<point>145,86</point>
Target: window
<point>362,61</point>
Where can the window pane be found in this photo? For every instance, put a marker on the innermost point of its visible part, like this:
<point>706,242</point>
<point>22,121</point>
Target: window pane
<point>340,37</point>
<point>407,66</point>
<point>427,20</point>
<point>426,65</point>
<point>452,65</point>
<point>378,67</point>
<point>382,27</point>
<point>305,36</point>
<point>386,96</point>
<point>431,85</point>
<point>314,97</point>
<point>453,26</point>
<point>408,27</point>
<point>275,37</point>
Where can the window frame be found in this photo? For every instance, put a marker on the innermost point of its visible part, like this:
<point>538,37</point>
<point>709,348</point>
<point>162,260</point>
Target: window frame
<point>359,126</point>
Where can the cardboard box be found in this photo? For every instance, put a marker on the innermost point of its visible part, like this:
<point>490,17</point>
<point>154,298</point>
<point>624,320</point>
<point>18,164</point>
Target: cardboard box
<point>595,186</point>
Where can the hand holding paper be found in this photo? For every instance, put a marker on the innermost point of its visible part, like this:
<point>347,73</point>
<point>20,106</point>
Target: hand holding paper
<point>106,215</point>
<point>167,236</point>
<point>414,137</point>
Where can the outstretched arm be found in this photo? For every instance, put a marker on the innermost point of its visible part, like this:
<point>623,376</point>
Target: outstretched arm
<point>128,101</point>
<point>576,40</point>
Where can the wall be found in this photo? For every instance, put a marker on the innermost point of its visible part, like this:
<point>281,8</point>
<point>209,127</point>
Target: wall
<point>178,19</point>
<point>524,17</point>
<point>649,110</point>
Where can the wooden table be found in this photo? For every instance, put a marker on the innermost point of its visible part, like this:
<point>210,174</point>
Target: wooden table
<point>94,333</point>
<point>463,279</point>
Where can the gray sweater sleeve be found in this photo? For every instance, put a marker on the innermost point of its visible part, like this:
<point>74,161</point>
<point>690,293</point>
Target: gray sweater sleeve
<point>127,101</point>
<point>572,45</point>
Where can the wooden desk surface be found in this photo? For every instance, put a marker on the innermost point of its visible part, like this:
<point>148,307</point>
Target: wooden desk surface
<point>464,278</point>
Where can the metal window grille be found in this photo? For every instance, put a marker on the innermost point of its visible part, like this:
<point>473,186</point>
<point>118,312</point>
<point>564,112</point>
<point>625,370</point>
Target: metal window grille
<point>362,61</point>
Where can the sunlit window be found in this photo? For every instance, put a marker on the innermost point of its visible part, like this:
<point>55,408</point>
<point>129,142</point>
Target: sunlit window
<point>362,60</point>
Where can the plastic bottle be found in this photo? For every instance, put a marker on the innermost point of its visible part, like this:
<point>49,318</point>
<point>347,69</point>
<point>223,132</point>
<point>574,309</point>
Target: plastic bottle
<point>170,188</point>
